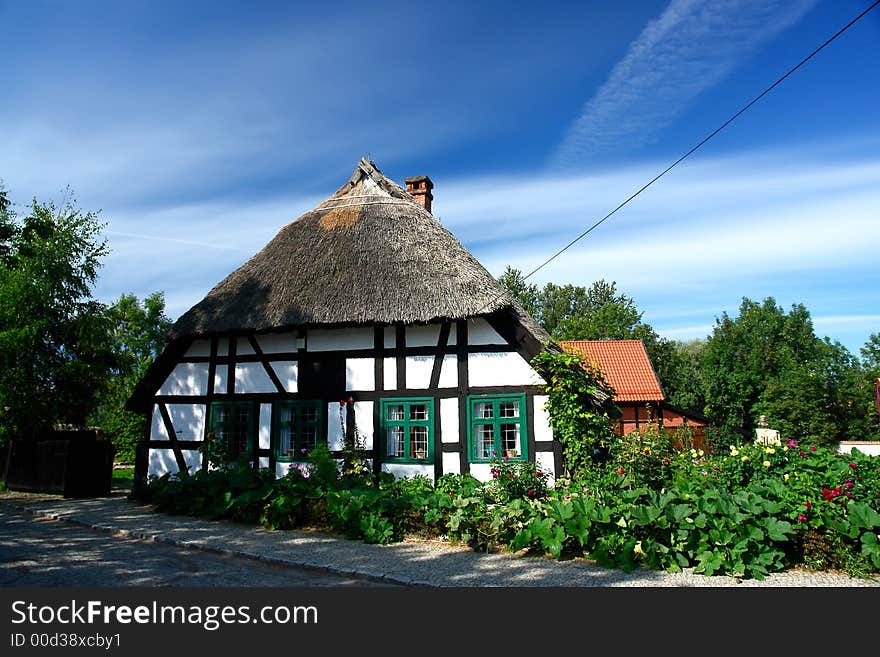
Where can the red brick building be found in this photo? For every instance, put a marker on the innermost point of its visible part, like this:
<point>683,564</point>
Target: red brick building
<point>627,368</point>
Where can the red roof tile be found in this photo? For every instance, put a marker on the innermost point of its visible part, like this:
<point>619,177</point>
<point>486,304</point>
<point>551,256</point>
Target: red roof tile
<point>625,365</point>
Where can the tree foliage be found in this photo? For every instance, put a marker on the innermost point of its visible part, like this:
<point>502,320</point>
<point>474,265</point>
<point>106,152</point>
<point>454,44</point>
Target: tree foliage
<point>137,334</point>
<point>53,347</point>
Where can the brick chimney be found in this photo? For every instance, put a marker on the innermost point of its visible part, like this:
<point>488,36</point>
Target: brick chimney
<point>419,187</point>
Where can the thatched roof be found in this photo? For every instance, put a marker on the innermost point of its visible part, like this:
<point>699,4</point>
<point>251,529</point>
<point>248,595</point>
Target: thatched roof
<point>369,254</point>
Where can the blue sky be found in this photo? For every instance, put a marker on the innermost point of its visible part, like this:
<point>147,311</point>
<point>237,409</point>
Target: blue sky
<point>199,129</point>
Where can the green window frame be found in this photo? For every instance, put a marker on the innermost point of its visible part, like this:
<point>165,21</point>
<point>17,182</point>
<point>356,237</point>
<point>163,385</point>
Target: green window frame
<point>298,426</point>
<point>234,423</point>
<point>407,430</point>
<point>497,426</point>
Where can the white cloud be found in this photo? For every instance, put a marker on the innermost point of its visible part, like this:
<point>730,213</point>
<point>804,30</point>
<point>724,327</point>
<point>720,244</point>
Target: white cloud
<point>692,46</point>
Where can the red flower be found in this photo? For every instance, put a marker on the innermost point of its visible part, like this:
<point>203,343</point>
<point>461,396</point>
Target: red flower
<point>494,453</point>
<point>510,475</point>
<point>506,457</point>
<point>853,466</point>
<point>341,403</point>
<point>803,453</point>
<point>531,492</point>
<point>538,473</point>
<point>351,400</point>
<point>808,504</point>
<point>620,471</point>
<point>827,494</point>
<point>849,484</point>
<point>837,491</point>
<point>848,494</point>
<point>813,448</point>
<point>802,518</point>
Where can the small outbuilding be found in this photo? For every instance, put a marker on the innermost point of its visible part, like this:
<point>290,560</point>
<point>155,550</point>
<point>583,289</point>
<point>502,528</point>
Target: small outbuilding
<point>627,368</point>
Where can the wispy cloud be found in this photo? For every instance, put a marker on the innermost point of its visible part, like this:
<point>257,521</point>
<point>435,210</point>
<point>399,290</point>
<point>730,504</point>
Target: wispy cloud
<point>692,46</point>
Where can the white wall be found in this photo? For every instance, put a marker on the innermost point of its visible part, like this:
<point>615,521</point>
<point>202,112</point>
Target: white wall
<point>479,332</point>
<point>199,348</point>
<point>161,461</point>
<point>363,419</point>
<point>542,419</point>
<point>252,377</point>
<point>287,372</point>
<point>451,463</point>
<point>221,378</point>
<point>360,374</point>
<point>389,373</point>
<point>545,463</point>
<point>481,471</point>
<point>418,371</point>
<point>871,448</point>
<point>449,372</point>
<point>449,420</point>
<point>339,339</point>
<point>504,368</point>
<point>273,343</point>
<point>188,420</point>
<point>408,469</point>
<point>265,433</point>
<point>186,379</point>
<point>422,336</point>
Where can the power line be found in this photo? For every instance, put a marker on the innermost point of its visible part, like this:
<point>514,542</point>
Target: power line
<point>695,148</point>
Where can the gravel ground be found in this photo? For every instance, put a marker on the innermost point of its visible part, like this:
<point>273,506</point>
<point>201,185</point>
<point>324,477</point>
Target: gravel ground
<point>415,563</point>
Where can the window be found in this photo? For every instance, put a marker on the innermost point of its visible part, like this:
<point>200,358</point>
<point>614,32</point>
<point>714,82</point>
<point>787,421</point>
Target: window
<point>497,427</point>
<point>408,430</point>
<point>299,425</point>
<point>232,424</point>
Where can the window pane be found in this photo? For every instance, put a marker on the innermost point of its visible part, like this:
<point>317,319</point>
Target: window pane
<point>285,413</point>
<point>510,439</point>
<point>418,442</point>
<point>395,412</point>
<point>221,414</point>
<point>395,447</point>
<point>285,448</point>
<point>238,441</point>
<point>418,412</point>
<point>307,437</point>
<point>483,410</point>
<point>308,414</point>
<point>485,440</point>
<point>508,409</point>
<point>241,415</point>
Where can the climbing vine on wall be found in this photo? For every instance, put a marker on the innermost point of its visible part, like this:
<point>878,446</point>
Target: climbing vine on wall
<point>580,407</point>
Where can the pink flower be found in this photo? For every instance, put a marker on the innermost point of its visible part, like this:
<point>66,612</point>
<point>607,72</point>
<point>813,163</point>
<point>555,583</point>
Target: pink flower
<point>531,492</point>
<point>848,494</point>
<point>853,466</point>
<point>791,443</point>
<point>803,453</point>
<point>813,448</point>
<point>802,518</point>
<point>494,453</point>
<point>506,457</point>
<point>849,484</point>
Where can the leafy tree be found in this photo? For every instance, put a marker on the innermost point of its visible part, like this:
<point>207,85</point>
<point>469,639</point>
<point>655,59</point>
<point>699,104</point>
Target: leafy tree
<point>769,362</point>
<point>138,333</point>
<point>528,294</point>
<point>53,347</point>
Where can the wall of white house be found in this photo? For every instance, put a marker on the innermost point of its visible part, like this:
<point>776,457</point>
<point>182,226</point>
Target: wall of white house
<point>486,369</point>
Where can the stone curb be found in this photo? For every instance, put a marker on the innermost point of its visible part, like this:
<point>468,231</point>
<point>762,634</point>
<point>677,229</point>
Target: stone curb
<point>219,549</point>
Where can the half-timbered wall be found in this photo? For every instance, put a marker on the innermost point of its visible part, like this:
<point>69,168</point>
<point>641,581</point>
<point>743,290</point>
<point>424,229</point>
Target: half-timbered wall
<point>444,362</point>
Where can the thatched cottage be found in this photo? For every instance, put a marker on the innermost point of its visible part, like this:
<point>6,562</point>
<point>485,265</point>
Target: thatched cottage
<point>369,299</point>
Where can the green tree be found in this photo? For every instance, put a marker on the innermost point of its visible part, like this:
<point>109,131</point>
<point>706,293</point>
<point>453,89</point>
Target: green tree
<point>138,333</point>
<point>528,294</point>
<point>53,346</point>
<point>769,362</point>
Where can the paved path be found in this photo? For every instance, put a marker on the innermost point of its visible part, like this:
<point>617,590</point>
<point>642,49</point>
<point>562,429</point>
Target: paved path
<point>40,551</point>
<point>417,563</point>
